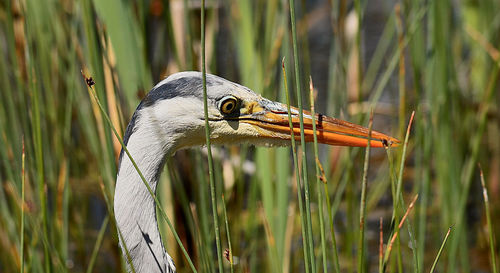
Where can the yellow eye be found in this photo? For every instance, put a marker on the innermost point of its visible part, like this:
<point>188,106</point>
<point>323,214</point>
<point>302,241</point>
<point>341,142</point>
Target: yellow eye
<point>228,105</point>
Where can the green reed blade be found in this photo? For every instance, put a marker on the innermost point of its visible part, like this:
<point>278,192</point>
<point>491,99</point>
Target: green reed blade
<point>318,176</point>
<point>207,137</point>
<point>98,243</point>
<point>297,171</point>
<point>203,213</point>
<point>37,139</point>
<point>231,262</point>
<point>440,250</point>
<point>307,196</point>
<point>23,179</point>
<point>488,221</point>
<point>362,206</point>
<point>332,229</point>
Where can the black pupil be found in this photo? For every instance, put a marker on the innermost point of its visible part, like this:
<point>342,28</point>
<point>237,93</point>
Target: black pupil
<point>228,106</point>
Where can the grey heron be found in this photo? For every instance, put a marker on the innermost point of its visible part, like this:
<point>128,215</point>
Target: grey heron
<point>171,117</point>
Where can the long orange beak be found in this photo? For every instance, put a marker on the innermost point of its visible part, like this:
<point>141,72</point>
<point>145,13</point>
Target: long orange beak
<point>273,121</point>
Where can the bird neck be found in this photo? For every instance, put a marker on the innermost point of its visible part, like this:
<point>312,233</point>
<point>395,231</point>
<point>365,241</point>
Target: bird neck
<point>134,206</point>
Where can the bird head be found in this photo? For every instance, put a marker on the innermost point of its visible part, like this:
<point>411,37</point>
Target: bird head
<point>236,114</point>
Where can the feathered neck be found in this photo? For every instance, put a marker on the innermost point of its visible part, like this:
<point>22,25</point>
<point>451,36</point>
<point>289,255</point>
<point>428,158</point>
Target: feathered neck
<point>134,207</point>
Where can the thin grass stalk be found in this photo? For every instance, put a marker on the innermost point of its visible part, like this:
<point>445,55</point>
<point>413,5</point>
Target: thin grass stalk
<point>399,184</point>
<point>425,191</point>
<point>395,235</point>
<point>127,253</point>
<point>36,124</point>
<point>273,253</point>
<point>190,60</point>
<point>362,206</point>
<point>329,210</point>
<point>474,147</point>
<point>402,74</point>
<point>440,250</point>
<point>268,193</point>
<point>318,176</point>
<point>332,228</point>
<point>207,137</point>
<point>438,66</point>
<point>187,209</point>
<point>351,208</point>
<point>399,195</point>
<point>379,55</point>
<point>66,140</point>
<point>143,179</point>
<point>231,262</point>
<point>399,253</point>
<point>283,201</point>
<point>396,190</point>
<point>23,180</point>
<point>402,115</point>
<point>297,172</point>
<point>488,221</point>
<point>381,248</point>
<point>98,244</point>
<point>484,43</point>
<point>359,12</point>
<point>57,260</point>
<point>322,225</point>
<point>202,212</point>
<point>307,197</point>
<point>384,79</point>
<point>414,248</point>
<point>40,168</point>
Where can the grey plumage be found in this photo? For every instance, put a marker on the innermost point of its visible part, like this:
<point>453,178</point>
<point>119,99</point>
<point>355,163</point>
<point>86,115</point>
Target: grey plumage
<point>150,137</point>
<point>171,117</point>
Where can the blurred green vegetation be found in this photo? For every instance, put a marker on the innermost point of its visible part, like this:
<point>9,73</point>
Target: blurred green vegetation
<point>439,58</point>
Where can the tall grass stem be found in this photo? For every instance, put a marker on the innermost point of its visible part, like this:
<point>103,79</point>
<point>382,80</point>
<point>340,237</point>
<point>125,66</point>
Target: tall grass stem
<point>396,234</point>
<point>23,180</point>
<point>488,221</point>
<point>297,170</point>
<point>318,176</point>
<point>362,205</point>
<point>307,196</point>
<point>98,244</point>
<point>231,262</point>
<point>207,137</point>
<point>440,250</point>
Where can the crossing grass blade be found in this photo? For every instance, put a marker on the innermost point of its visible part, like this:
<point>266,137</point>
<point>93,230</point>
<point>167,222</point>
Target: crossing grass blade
<point>362,206</point>
<point>230,248</point>
<point>297,174</point>
<point>488,222</point>
<point>440,250</point>
<point>395,235</point>
<point>23,180</point>
<point>307,195</point>
<point>209,148</point>
<point>98,244</point>
<point>319,175</point>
